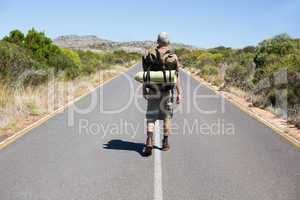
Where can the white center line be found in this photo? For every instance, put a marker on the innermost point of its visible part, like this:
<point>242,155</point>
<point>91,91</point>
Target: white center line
<point>158,192</point>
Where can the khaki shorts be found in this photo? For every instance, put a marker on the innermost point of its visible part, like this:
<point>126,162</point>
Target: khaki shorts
<point>160,108</point>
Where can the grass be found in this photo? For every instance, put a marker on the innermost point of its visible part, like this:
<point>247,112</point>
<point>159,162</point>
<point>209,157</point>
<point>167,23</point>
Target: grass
<point>4,95</point>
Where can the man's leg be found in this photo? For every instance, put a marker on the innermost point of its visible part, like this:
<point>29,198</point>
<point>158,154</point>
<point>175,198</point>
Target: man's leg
<point>150,132</point>
<point>167,131</point>
<point>149,141</point>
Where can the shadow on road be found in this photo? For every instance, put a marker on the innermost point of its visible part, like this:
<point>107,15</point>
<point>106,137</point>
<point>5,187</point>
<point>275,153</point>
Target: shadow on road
<point>125,146</point>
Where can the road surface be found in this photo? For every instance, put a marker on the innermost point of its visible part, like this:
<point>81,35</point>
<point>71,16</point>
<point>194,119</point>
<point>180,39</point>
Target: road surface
<point>217,152</point>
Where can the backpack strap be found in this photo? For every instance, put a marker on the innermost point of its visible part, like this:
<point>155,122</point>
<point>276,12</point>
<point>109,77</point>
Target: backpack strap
<point>164,61</point>
<point>146,82</point>
<point>146,75</point>
<point>162,64</point>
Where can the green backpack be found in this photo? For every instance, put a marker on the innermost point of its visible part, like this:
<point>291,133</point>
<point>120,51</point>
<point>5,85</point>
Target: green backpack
<point>154,60</point>
<point>157,61</point>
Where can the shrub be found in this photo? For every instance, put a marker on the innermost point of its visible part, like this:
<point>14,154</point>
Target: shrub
<point>209,71</point>
<point>72,55</point>
<point>5,94</point>
<point>90,61</point>
<point>191,60</point>
<point>236,75</point>
<point>32,77</point>
<point>182,52</point>
<point>72,72</point>
<point>13,59</point>
<point>87,69</point>
<point>16,37</point>
<point>40,45</point>
<point>62,62</point>
<point>276,54</point>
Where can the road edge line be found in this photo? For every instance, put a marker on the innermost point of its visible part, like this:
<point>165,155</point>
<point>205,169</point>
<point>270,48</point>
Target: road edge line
<point>157,192</point>
<point>277,130</point>
<point>44,119</point>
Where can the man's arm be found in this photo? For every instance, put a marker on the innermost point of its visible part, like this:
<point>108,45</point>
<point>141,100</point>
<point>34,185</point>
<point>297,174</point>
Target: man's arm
<point>178,87</point>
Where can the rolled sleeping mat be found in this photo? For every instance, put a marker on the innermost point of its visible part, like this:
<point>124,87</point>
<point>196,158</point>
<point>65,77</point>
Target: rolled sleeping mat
<point>157,77</point>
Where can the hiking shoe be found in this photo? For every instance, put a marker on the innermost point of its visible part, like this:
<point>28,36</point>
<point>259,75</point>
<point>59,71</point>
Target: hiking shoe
<point>165,145</point>
<point>148,151</point>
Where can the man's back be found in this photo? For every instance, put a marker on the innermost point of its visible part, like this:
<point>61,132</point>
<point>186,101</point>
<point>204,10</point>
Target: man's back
<point>161,106</point>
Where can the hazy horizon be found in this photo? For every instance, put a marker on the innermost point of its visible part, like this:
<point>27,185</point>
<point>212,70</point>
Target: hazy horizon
<point>203,24</point>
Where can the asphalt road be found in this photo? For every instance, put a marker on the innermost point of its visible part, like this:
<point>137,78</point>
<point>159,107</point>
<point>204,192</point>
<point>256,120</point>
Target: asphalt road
<point>217,152</point>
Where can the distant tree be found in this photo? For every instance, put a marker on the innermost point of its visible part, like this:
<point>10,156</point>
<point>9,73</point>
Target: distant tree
<point>237,75</point>
<point>209,70</point>
<point>72,55</point>
<point>217,57</point>
<point>280,45</point>
<point>182,51</point>
<point>249,49</point>
<point>227,52</point>
<point>40,45</point>
<point>219,48</point>
<point>278,52</point>
<point>15,36</point>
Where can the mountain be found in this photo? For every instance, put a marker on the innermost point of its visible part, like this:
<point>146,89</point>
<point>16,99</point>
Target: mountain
<point>93,43</point>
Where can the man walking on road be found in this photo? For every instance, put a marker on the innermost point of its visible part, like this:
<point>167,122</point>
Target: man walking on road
<point>160,97</point>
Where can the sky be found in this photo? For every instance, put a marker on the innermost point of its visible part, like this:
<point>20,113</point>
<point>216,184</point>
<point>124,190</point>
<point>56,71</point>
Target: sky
<point>202,23</point>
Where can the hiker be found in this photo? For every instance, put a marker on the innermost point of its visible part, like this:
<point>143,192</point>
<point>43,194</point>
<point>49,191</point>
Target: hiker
<point>160,96</point>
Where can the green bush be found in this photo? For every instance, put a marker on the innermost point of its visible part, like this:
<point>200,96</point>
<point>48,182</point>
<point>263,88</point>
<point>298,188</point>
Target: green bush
<point>16,37</point>
<point>276,54</point>
<point>64,63</point>
<point>35,54</point>
<point>209,71</point>
<point>182,52</point>
<point>72,55</point>
<point>91,61</point>
<point>87,69</point>
<point>13,59</point>
<point>236,75</point>
<point>33,77</point>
